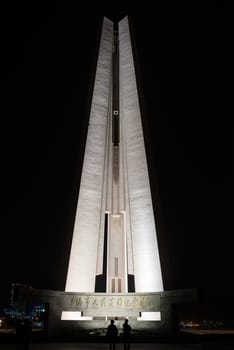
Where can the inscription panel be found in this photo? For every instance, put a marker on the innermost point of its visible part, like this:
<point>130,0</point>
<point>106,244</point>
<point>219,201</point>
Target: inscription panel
<point>112,304</point>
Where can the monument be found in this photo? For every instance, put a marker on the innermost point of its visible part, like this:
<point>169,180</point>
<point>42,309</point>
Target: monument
<point>114,247</point>
<point>114,235</point>
<point>114,268</point>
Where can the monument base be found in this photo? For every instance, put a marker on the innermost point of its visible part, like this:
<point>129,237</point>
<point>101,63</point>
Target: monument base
<point>83,314</point>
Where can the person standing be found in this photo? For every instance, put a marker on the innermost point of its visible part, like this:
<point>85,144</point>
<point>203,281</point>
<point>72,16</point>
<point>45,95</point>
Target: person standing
<point>27,333</point>
<point>112,334</point>
<point>127,329</point>
<point>19,334</point>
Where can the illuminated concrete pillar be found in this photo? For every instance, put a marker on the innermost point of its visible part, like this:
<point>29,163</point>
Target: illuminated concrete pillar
<point>114,241</point>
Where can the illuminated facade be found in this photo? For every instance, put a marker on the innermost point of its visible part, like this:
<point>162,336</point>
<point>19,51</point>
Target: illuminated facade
<point>114,246</point>
<point>114,269</point>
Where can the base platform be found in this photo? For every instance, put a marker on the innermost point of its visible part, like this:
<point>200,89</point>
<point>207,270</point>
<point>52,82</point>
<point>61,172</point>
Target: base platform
<point>90,313</point>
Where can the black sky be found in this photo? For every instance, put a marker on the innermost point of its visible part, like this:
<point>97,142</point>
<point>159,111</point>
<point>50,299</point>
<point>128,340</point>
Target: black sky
<point>185,66</point>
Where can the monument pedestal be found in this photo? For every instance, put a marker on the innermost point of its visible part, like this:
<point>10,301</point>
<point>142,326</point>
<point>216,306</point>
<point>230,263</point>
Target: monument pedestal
<point>75,314</point>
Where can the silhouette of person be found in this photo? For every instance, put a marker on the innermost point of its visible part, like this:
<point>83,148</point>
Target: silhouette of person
<point>112,334</point>
<point>19,334</point>
<point>26,334</point>
<point>127,329</point>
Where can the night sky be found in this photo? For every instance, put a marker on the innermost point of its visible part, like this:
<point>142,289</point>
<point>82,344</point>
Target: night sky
<point>48,54</point>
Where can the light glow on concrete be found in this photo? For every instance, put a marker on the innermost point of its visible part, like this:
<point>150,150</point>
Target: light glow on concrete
<point>150,316</point>
<point>74,316</point>
<point>89,221</point>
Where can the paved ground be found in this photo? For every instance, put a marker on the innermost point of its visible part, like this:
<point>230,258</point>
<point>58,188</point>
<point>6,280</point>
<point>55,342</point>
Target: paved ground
<point>102,346</point>
<point>214,341</point>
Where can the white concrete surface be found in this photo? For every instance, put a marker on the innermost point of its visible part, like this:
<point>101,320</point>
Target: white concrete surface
<point>115,180</point>
<point>83,257</point>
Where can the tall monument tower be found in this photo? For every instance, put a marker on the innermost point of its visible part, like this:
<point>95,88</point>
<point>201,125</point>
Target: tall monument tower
<point>114,269</point>
<point>114,246</point>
